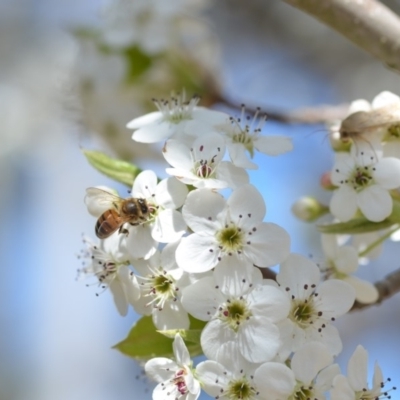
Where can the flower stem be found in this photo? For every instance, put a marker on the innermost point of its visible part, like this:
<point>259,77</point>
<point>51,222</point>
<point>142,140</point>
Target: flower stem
<point>378,241</point>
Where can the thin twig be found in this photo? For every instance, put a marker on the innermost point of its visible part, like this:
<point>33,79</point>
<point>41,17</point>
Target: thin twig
<point>307,115</point>
<point>367,23</point>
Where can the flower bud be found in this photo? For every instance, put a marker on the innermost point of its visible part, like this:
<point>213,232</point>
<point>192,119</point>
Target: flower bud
<point>326,181</point>
<point>308,209</point>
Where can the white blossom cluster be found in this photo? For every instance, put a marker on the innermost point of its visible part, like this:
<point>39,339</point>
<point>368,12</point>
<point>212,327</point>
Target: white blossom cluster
<point>365,181</point>
<point>365,175</point>
<point>198,253</point>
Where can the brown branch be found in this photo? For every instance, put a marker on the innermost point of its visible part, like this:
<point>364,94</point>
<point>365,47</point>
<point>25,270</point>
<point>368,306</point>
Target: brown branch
<point>367,23</point>
<point>307,115</point>
<point>268,273</point>
<point>387,287</point>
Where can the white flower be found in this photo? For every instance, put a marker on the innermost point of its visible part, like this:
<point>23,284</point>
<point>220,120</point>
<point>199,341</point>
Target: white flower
<point>244,137</point>
<point>176,378</point>
<point>202,165</point>
<point>364,183</point>
<point>341,263</point>
<point>228,381</point>
<point>243,325</point>
<point>108,262</point>
<point>161,283</point>
<point>226,227</point>
<point>355,385</point>
<point>311,374</point>
<point>175,116</point>
<point>313,305</point>
<point>166,225</point>
<point>313,371</point>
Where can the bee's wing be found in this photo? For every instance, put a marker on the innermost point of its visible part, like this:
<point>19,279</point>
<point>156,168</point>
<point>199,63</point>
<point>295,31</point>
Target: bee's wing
<point>370,120</point>
<point>99,200</point>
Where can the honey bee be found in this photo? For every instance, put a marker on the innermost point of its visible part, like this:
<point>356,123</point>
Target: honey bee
<point>365,125</point>
<point>118,211</point>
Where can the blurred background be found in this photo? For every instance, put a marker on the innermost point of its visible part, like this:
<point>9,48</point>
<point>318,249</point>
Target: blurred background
<point>61,89</point>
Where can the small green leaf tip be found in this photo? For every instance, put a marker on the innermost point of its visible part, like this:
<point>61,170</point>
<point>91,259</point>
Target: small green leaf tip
<point>120,171</point>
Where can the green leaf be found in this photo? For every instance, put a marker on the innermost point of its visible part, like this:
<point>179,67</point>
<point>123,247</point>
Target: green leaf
<point>144,341</point>
<point>137,61</point>
<point>120,171</point>
<point>358,225</point>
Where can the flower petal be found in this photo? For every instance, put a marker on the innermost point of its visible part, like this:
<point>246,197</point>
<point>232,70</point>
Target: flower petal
<point>140,243</point>
<point>181,352</point>
<point>170,193</point>
<point>168,227</point>
<point>346,260</point>
<point>160,369</point>
<point>258,340</point>
<point>298,273</point>
<point>357,369</point>
<point>120,300</point>
<point>213,377</point>
<point>144,120</point>
<point>177,154</point>
<point>145,184</point>
<point>172,316</point>
<point>309,360</point>
<point>238,155</point>
<point>234,276</point>
<point>201,299</point>
<point>335,298</point>
<point>366,292</point>
<point>155,132</point>
<point>384,99</point>
<point>269,301</point>
<point>387,173</point>
<point>268,245</point>
<point>246,201</point>
<point>341,389</point>
<point>231,174</point>
<point>273,145</point>
<point>214,336</point>
<point>197,253</point>
<point>201,209</point>
<point>375,203</point>
<point>343,204</point>
<point>275,380</point>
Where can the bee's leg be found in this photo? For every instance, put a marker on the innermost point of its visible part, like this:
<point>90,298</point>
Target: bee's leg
<point>123,231</point>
